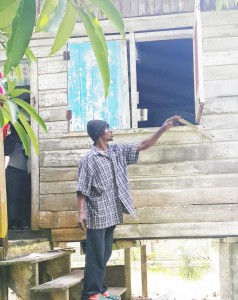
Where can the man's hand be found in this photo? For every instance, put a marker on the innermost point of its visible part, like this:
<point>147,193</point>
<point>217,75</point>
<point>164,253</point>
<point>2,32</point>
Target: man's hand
<point>170,122</point>
<point>82,220</point>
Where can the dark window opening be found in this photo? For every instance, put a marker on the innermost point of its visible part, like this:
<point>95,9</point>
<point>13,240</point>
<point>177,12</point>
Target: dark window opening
<point>165,80</point>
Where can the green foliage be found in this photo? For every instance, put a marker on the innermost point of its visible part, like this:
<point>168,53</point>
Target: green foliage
<point>65,29</point>
<point>8,11</point>
<point>189,267</point>
<point>22,29</point>
<point>17,21</point>
<point>222,4</point>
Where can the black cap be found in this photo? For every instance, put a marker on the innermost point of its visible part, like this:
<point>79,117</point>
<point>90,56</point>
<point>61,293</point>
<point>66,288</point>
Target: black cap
<point>95,128</point>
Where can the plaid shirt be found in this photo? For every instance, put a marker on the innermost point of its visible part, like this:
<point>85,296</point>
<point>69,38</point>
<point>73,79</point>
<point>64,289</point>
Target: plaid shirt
<point>103,179</point>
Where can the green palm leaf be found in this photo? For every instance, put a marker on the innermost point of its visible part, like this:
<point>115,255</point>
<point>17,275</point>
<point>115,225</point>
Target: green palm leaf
<point>57,17</point>
<point>13,109</point>
<point>23,136</point>
<point>30,132</point>
<point>22,29</point>
<point>108,8</point>
<point>1,118</point>
<point>65,29</point>
<point>20,130</point>
<point>98,29</point>
<point>31,111</point>
<point>8,10</point>
<point>18,92</point>
<point>98,48</point>
<point>46,14</point>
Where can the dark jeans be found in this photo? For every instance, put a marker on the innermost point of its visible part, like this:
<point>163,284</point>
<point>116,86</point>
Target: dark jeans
<point>98,251</point>
<point>18,200</point>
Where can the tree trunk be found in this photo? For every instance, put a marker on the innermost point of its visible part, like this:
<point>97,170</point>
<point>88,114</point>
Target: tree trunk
<point>3,200</point>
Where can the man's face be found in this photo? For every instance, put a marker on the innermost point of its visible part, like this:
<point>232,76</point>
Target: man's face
<point>107,135</point>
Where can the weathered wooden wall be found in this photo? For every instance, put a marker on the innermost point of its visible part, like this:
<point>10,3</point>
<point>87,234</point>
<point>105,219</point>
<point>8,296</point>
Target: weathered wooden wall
<point>137,8</point>
<point>185,186</point>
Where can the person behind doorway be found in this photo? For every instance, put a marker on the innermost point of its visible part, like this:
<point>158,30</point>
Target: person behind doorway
<point>103,196</point>
<point>17,182</point>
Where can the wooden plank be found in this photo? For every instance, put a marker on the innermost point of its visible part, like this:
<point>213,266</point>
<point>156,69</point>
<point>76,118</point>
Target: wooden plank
<point>51,98</point>
<point>53,114</point>
<point>220,44</point>
<point>118,291</point>
<point>158,7</point>
<point>219,31</point>
<point>166,6</point>
<point>44,51</point>
<point>52,65</point>
<point>156,231</point>
<point>36,257</point>
<point>219,18</point>
<point>126,8</point>
<point>128,283</point>
<point>174,6</point>
<point>55,130</point>
<point>223,105</point>
<point>156,154</point>
<point>208,229</point>
<point>223,121</point>
<point>150,7</point>
<point>144,284</point>
<point>219,166</point>
<point>154,198</point>
<point>221,72</point>
<point>153,215</point>
<point>221,58</point>
<point>142,8</point>
<point>61,283</point>
<point>3,204</point>
<point>34,158</point>
<point>50,81</point>
<point>221,88</point>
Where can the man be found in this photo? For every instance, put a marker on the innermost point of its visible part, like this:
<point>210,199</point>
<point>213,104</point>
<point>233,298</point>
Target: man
<point>103,196</point>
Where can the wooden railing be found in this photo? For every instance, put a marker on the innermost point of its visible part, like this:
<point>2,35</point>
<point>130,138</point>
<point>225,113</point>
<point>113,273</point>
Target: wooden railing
<point>3,202</point>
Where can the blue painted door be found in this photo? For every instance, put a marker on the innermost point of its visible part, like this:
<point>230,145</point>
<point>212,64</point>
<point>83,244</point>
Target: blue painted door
<point>85,88</point>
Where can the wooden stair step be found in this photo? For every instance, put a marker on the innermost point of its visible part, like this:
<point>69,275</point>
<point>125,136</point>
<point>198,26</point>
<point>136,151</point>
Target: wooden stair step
<point>118,291</point>
<point>65,282</point>
<point>38,257</point>
<point>62,283</point>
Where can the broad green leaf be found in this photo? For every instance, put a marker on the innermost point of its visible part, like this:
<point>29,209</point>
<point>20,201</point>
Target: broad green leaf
<point>98,49</point>
<point>31,111</point>
<point>11,84</point>
<point>18,73</point>
<point>108,8</point>
<point>18,92</point>
<point>65,29</point>
<point>57,17</point>
<point>22,28</point>
<point>8,10</point>
<point>23,136</point>
<point>13,108</point>
<point>46,14</point>
<point>30,132</point>
<point>30,55</point>
<point>1,118</point>
<point>98,29</point>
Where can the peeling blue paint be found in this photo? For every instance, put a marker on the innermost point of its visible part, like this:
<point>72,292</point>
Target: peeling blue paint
<point>85,87</point>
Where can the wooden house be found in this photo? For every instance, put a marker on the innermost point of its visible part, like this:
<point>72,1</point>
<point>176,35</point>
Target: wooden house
<point>172,62</point>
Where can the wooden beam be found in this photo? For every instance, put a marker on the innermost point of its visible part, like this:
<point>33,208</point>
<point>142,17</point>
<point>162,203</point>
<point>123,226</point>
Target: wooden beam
<point>144,271</point>
<point>3,200</point>
<point>34,157</point>
<point>127,257</point>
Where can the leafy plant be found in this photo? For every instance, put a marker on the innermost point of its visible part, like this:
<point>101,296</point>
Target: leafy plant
<point>17,21</point>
